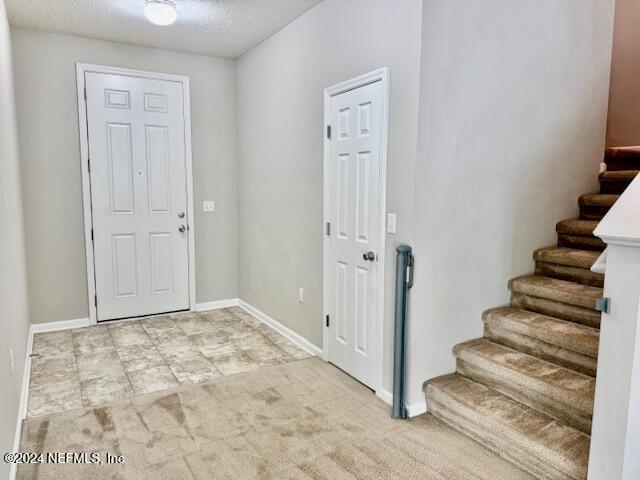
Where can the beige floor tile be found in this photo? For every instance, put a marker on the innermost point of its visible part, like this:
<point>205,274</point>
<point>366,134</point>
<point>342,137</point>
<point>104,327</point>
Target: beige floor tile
<point>106,389</point>
<point>162,329</point>
<point>172,353</point>
<point>55,398</point>
<point>53,344</point>
<point>212,344</point>
<point>128,333</point>
<point>93,339</point>
<point>194,370</point>
<point>232,363</point>
<point>47,371</point>
<point>250,340</point>
<point>152,380</point>
<point>100,364</point>
<point>139,357</point>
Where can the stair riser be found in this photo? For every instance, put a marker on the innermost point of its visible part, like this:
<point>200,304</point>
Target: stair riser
<point>541,349</point>
<point>585,297</point>
<point>571,274</point>
<point>546,469</point>
<point>613,187</point>
<point>583,316</point>
<point>593,213</point>
<point>622,158</point>
<point>563,411</point>
<point>580,242</point>
<point>614,164</point>
<point>513,449</point>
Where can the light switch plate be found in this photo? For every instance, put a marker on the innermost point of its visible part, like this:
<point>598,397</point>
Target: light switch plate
<point>301,295</point>
<point>391,222</point>
<point>208,206</point>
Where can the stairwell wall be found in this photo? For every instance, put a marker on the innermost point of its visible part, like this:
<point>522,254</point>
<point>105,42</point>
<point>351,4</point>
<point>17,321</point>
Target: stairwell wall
<point>623,128</point>
<point>513,105</point>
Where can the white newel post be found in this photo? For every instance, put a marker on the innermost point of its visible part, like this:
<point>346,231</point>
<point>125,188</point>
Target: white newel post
<point>615,436</point>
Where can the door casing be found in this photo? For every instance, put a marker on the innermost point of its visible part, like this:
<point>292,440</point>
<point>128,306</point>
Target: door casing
<point>81,69</point>
<point>381,75</point>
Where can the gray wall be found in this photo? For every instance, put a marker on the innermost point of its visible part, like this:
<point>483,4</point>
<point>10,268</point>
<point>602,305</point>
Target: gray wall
<point>48,127</point>
<point>513,102</point>
<point>280,87</point>
<point>13,271</point>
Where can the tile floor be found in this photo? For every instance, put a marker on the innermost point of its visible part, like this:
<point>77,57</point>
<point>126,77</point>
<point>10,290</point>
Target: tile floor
<point>109,362</point>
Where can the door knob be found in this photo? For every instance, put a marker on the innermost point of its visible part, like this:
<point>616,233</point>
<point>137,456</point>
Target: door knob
<point>181,215</point>
<point>369,256</point>
<point>182,229</point>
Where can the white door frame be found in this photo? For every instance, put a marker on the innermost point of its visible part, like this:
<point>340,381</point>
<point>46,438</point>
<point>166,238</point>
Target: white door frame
<point>381,75</point>
<point>81,69</point>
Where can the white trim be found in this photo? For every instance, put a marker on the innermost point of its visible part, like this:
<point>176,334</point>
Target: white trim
<point>61,325</point>
<point>385,395</point>
<point>381,75</point>
<point>413,409</point>
<point>24,401</point>
<point>281,329</point>
<point>81,69</point>
<point>229,302</point>
<point>417,408</point>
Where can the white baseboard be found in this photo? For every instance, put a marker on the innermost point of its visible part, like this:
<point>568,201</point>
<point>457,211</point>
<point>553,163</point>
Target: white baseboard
<point>229,302</point>
<point>281,329</point>
<point>417,408</point>
<point>413,409</point>
<point>386,396</point>
<point>61,325</point>
<point>24,401</point>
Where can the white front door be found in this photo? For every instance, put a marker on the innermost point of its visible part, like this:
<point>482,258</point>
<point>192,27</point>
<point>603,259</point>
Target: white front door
<point>354,186</point>
<point>136,133</point>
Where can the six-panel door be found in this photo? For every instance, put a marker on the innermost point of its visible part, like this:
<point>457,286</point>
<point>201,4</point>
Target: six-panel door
<point>138,194</point>
<point>353,246</point>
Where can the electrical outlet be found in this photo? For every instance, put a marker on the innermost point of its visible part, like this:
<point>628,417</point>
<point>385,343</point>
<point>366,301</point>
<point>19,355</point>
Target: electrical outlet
<point>301,295</point>
<point>391,222</point>
<point>208,206</point>
<point>11,359</point>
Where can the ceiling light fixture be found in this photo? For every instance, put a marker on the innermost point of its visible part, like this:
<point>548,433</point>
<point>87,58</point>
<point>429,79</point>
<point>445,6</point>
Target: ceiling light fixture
<point>160,12</point>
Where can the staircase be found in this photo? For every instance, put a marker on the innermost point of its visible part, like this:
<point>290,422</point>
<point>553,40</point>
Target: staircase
<point>525,390</point>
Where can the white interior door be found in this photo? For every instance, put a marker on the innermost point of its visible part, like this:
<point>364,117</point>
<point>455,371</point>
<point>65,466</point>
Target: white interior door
<point>136,134</point>
<point>354,171</point>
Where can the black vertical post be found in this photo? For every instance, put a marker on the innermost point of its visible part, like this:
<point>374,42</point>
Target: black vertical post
<point>404,281</point>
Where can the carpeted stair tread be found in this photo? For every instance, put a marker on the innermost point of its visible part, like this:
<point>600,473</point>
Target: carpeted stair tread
<point>618,176</point>
<point>598,200</point>
<point>582,228</point>
<point>572,293</point>
<point>568,335</point>
<point>622,158</point>
<point>532,440</point>
<point>566,256</point>
<point>616,181</point>
<point>564,311</point>
<point>522,372</point>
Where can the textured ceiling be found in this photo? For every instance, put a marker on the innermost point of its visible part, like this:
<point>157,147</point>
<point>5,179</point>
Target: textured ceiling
<point>223,28</point>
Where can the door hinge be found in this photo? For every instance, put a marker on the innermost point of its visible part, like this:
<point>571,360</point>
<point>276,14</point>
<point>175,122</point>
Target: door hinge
<point>328,229</point>
<point>328,131</point>
<point>85,93</point>
<point>603,305</point>
<point>92,234</point>
<point>89,164</point>
<point>95,300</point>
<point>327,321</point>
